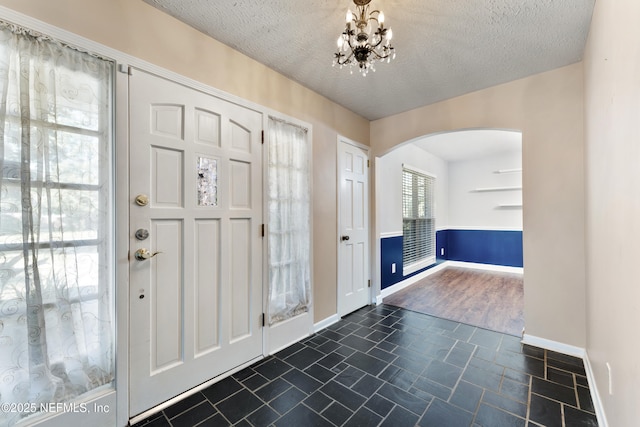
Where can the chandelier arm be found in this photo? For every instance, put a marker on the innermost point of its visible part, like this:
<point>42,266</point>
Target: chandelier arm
<point>373,46</point>
<point>374,18</point>
<point>347,59</point>
<point>380,56</point>
<point>349,43</point>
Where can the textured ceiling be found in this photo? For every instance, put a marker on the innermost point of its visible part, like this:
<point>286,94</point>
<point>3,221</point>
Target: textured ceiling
<point>445,48</point>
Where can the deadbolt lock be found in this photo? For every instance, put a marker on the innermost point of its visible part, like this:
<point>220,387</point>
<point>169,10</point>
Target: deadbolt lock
<point>142,200</point>
<point>142,234</point>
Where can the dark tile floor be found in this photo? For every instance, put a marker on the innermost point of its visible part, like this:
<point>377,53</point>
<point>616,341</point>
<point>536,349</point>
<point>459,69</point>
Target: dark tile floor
<point>386,366</point>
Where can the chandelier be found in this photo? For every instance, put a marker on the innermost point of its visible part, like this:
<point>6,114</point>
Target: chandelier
<point>364,40</point>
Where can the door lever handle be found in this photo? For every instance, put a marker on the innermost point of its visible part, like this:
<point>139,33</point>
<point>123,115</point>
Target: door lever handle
<point>345,238</point>
<point>143,254</point>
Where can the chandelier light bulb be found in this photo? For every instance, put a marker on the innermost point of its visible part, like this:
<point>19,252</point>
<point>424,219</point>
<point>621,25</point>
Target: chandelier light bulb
<point>340,42</point>
<point>349,16</point>
<point>389,34</point>
<point>381,18</point>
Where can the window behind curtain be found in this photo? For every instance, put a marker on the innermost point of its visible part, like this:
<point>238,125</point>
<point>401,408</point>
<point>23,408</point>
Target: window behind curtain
<point>56,222</point>
<point>418,220</point>
<point>289,231</point>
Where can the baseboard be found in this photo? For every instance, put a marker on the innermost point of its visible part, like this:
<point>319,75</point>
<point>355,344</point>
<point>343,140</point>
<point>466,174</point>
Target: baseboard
<point>489,267</point>
<point>413,279</point>
<point>556,346</point>
<point>580,352</point>
<point>595,395</point>
<point>408,282</point>
<point>317,327</point>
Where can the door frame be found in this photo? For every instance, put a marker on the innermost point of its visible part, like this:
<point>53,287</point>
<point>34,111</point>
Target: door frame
<point>344,140</point>
<point>117,398</point>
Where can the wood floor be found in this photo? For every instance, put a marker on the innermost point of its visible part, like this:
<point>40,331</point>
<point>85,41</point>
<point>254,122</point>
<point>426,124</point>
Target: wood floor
<point>487,299</point>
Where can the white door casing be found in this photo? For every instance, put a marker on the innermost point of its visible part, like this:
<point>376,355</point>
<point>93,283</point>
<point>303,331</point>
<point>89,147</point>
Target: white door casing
<point>195,307</point>
<point>353,226</point>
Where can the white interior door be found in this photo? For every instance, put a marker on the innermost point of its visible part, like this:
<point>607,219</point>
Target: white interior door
<point>196,305</point>
<point>353,239</point>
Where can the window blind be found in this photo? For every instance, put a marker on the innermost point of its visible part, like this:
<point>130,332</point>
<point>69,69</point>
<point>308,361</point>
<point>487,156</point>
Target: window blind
<point>418,218</point>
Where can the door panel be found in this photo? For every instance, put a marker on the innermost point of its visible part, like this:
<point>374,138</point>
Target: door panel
<point>196,299</point>
<point>166,295</point>
<point>207,285</point>
<point>353,246</point>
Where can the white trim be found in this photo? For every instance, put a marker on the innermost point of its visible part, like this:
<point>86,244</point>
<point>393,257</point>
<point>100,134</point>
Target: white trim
<point>194,390</point>
<point>121,188</point>
<point>581,353</point>
<point>355,144</point>
<point>508,170</point>
<point>325,323</point>
<point>480,228</point>
<point>489,267</point>
<point>482,190</point>
<point>595,395</point>
<point>413,279</point>
<point>100,412</point>
<point>418,265</point>
<point>390,234</point>
<point>556,346</point>
<point>418,170</point>
<point>408,282</point>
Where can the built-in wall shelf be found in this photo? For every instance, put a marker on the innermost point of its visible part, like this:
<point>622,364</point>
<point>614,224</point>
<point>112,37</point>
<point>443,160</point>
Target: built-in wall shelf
<point>508,170</point>
<point>482,190</point>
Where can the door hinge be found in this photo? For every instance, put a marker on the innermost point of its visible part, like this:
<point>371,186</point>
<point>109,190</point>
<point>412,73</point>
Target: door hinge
<point>368,163</point>
<point>369,283</point>
<point>263,137</point>
<point>262,232</point>
<point>124,69</point>
<point>262,319</point>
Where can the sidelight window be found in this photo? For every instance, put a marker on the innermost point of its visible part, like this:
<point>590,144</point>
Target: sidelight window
<point>56,223</point>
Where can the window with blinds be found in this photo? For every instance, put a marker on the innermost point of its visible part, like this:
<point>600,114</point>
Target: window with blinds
<point>418,220</point>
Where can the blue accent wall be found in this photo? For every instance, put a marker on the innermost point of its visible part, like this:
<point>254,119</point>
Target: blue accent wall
<point>494,247</point>
<point>391,252</point>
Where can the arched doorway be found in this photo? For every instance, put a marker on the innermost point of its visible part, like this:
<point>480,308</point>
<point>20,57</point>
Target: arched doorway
<point>476,176</point>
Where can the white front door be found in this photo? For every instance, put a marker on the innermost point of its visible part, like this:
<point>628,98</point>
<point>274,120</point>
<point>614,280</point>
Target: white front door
<point>353,239</point>
<point>196,203</point>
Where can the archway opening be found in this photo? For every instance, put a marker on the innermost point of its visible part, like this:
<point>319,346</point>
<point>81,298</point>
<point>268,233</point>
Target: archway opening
<point>476,197</point>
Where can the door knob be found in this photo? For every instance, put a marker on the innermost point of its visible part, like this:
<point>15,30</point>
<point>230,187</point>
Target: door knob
<point>345,238</point>
<point>143,254</point>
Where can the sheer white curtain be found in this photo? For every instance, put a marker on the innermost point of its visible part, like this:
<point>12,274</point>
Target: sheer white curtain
<point>56,284</point>
<point>289,221</point>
